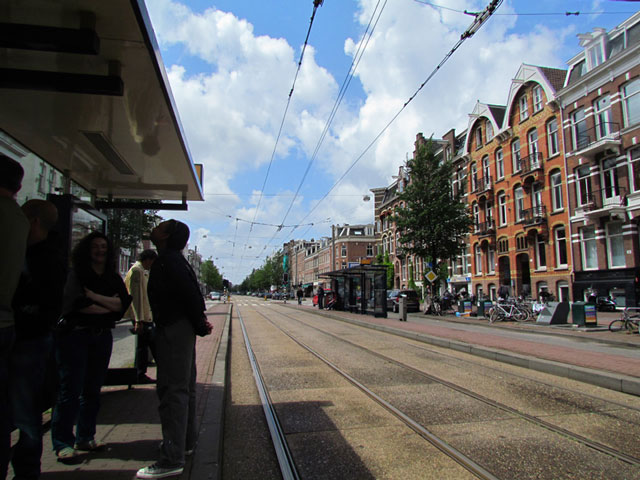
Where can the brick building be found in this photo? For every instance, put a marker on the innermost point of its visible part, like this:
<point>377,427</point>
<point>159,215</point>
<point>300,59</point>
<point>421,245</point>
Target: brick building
<point>601,122</point>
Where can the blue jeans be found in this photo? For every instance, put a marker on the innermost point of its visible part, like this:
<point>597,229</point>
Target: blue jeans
<point>7,337</point>
<point>27,367</point>
<point>82,357</point>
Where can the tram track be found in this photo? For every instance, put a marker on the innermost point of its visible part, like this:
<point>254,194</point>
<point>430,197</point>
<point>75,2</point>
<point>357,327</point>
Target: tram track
<point>530,418</point>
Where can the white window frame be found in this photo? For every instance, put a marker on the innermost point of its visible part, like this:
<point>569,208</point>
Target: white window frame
<point>518,196</point>
<point>537,98</point>
<point>552,136</point>
<point>634,168</point>
<point>491,260</point>
<point>474,177</point>
<point>499,164</point>
<point>595,55</point>
<point>589,248</point>
<point>602,117</point>
<point>630,93</point>
<point>475,208</point>
<point>610,238</point>
<point>502,209</point>
<point>557,242</point>
<point>478,259</point>
<point>578,127</point>
<point>541,253</point>
<point>583,186</point>
<point>489,131</point>
<point>555,180</point>
<point>486,169</point>
<point>524,107</point>
<point>478,138</point>
<point>516,158</point>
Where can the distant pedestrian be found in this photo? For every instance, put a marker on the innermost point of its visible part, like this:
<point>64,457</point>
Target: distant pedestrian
<point>14,228</point>
<point>140,312</point>
<point>37,304</point>
<point>503,292</point>
<point>95,297</point>
<point>179,314</point>
<point>299,295</point>
<point>320,297</point>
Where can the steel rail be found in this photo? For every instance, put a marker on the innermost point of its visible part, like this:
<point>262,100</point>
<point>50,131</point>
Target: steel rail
<point>285,459</point>
<point>459,457</point>
<point>525,416</point>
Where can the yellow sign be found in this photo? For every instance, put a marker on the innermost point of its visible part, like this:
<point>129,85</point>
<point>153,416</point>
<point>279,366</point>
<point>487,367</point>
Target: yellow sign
<point>431,276</point>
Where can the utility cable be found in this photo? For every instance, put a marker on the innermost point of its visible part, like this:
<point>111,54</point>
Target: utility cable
<point>564,14</point>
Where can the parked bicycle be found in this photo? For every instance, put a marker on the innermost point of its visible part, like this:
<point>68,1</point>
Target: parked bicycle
<point>629,321</point>
<point>507,311</point>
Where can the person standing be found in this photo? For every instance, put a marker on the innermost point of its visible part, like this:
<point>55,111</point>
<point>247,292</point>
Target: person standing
<point>320,297</point>
<point>37,304</point>
<point>95,297</point>
<point>13,244</point>
<point>178,310</point>
<point>140,311</point>
<point>299,294</point>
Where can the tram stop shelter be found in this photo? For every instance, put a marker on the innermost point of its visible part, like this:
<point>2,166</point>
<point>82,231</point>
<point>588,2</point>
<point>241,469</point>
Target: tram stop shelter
<point>361,289</point>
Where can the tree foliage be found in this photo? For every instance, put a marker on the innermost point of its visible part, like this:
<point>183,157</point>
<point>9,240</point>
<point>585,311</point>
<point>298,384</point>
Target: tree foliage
<point>434,220</point>
<point>390,270</point>
<point>127,226</point>
<point>210,275</point>
<point>270,273</point>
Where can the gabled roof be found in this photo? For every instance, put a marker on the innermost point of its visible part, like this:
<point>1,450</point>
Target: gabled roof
<point>555,76</point>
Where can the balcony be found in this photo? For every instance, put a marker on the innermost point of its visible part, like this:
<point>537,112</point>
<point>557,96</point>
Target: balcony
<point>535,216</point>
<point>609,201</point>
<point>484,184</point>
<point>604,136</point>
<point>530,165</point>
<point>484,229</point>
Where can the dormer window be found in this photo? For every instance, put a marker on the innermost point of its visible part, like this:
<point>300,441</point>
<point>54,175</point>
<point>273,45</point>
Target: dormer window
<point>537,98</point>
<point>595,56</point>
<point>489,128</point>
<point>478,138</point>
<point>524,112</point>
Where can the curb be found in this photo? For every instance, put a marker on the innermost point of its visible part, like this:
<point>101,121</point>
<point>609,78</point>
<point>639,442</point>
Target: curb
<point>609,380</point>
<point>207,459</point>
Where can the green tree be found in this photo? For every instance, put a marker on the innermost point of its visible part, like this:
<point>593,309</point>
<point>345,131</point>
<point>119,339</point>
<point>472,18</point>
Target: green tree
<point>434,220</point>
<point>127,226</point>
<point>210,275</point>
<point>384,260</point>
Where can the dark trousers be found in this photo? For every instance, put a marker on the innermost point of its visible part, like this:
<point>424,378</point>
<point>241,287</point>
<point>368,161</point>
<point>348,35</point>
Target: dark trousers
<point>27,368</point>
<point>7,337</point>
<point>320,302</point>
<point>176,388</point>
<point>82,357</point>
<point>144,342</point>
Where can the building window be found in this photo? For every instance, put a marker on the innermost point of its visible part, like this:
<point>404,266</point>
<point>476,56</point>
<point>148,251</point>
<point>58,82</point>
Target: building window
<point>519,203</point>
<point>532,139</point>
<point>537,98</point>
<point>580,138</point>
<point>631,102</point>
<point>502,209</point>
<point>552,137</point>
<point>615,245</point>
<point>560,235</point>
<point>447,153</point>
<point>343,250</point>
<point>634,163</point>
<point>489,130</point>
<point>476,216</point>
<point>499,164</point>
<point>594,54</point>
<point>524,112</point>
<point>602,116</point>
<point>478,137</point>
<point>583,186</point>
<point>522,243</point>
<point>515,155</point>
<point>474,177</point>
<point>503,245</point>
<point>541,253</point>
<point>369,250</point>
<point>589,248</point>
<point>491,260</point>
<point>478,259</point>
<point>609,178</point>
<point>556,191</point>
<point>486,169</point>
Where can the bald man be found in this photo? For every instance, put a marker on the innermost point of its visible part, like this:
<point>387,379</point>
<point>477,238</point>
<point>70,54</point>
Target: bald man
<point>36,305</point>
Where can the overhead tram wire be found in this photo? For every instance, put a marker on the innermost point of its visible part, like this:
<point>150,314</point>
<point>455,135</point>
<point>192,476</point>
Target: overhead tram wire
<point>362,45</point>
<point>316,4</point>
<point>480,19</point>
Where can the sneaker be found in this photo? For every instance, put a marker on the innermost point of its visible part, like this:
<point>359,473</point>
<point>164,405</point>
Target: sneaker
<point>66,455</point>
<point>159,471</point>
<point>144,379</point>
<point>90,446</point>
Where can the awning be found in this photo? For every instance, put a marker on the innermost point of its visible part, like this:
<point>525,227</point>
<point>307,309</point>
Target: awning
<point>82,85</point>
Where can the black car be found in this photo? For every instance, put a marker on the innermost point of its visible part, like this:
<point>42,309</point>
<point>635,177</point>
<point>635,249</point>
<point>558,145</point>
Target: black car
<point>393,300</point>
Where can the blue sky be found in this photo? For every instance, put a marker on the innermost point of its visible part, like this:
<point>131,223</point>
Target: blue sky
<point>231,65</point>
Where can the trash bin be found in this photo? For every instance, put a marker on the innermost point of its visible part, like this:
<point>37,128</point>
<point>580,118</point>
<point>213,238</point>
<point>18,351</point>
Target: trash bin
<point>584,314</point>
<point>483,307</point>
<point>402,308</point>
<point>464,307</point>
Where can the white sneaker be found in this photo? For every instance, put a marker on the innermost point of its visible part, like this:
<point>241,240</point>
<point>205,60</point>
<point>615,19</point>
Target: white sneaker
<point>159,471</point>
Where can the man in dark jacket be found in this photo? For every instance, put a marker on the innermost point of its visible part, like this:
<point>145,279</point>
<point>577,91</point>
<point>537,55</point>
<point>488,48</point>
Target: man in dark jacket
<point>178,312</point>
<point>37,304</point>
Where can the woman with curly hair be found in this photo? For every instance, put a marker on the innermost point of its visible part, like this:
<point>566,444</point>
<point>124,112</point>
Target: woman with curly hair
<point>95,297</point>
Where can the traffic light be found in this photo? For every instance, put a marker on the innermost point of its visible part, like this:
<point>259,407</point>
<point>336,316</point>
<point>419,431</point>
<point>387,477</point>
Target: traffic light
<point>285,278</point>
<point>225,283</point>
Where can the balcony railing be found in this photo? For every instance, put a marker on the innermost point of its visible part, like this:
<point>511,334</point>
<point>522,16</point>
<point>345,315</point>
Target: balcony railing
<point>531,163</point>
<point>605,201</point>
<point>534,216</point>
<point>485,228</point>
<point>596,139</point>
<point>484,184</point>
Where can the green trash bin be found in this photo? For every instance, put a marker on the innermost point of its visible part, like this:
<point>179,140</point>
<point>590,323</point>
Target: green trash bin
<point>483,307</point>
<point>577,313</point>
<point>584,314</point>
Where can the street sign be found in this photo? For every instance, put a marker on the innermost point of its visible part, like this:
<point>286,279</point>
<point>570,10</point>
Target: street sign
<point>431,276</point>
<point>353,264</point>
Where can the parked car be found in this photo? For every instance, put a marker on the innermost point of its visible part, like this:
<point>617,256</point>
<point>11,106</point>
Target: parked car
<point>605,304</point>
<point>393,300</point>
<point>215,296</point>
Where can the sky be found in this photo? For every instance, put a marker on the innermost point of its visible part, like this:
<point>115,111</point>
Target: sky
<point>273,171</point>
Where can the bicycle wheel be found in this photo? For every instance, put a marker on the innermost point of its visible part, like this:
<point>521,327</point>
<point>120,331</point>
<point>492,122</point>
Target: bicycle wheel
<point>520,315</point>
<point>436,308</point>
<point>632,326</point>
<point>617,325</point>
<point>493,315</point>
